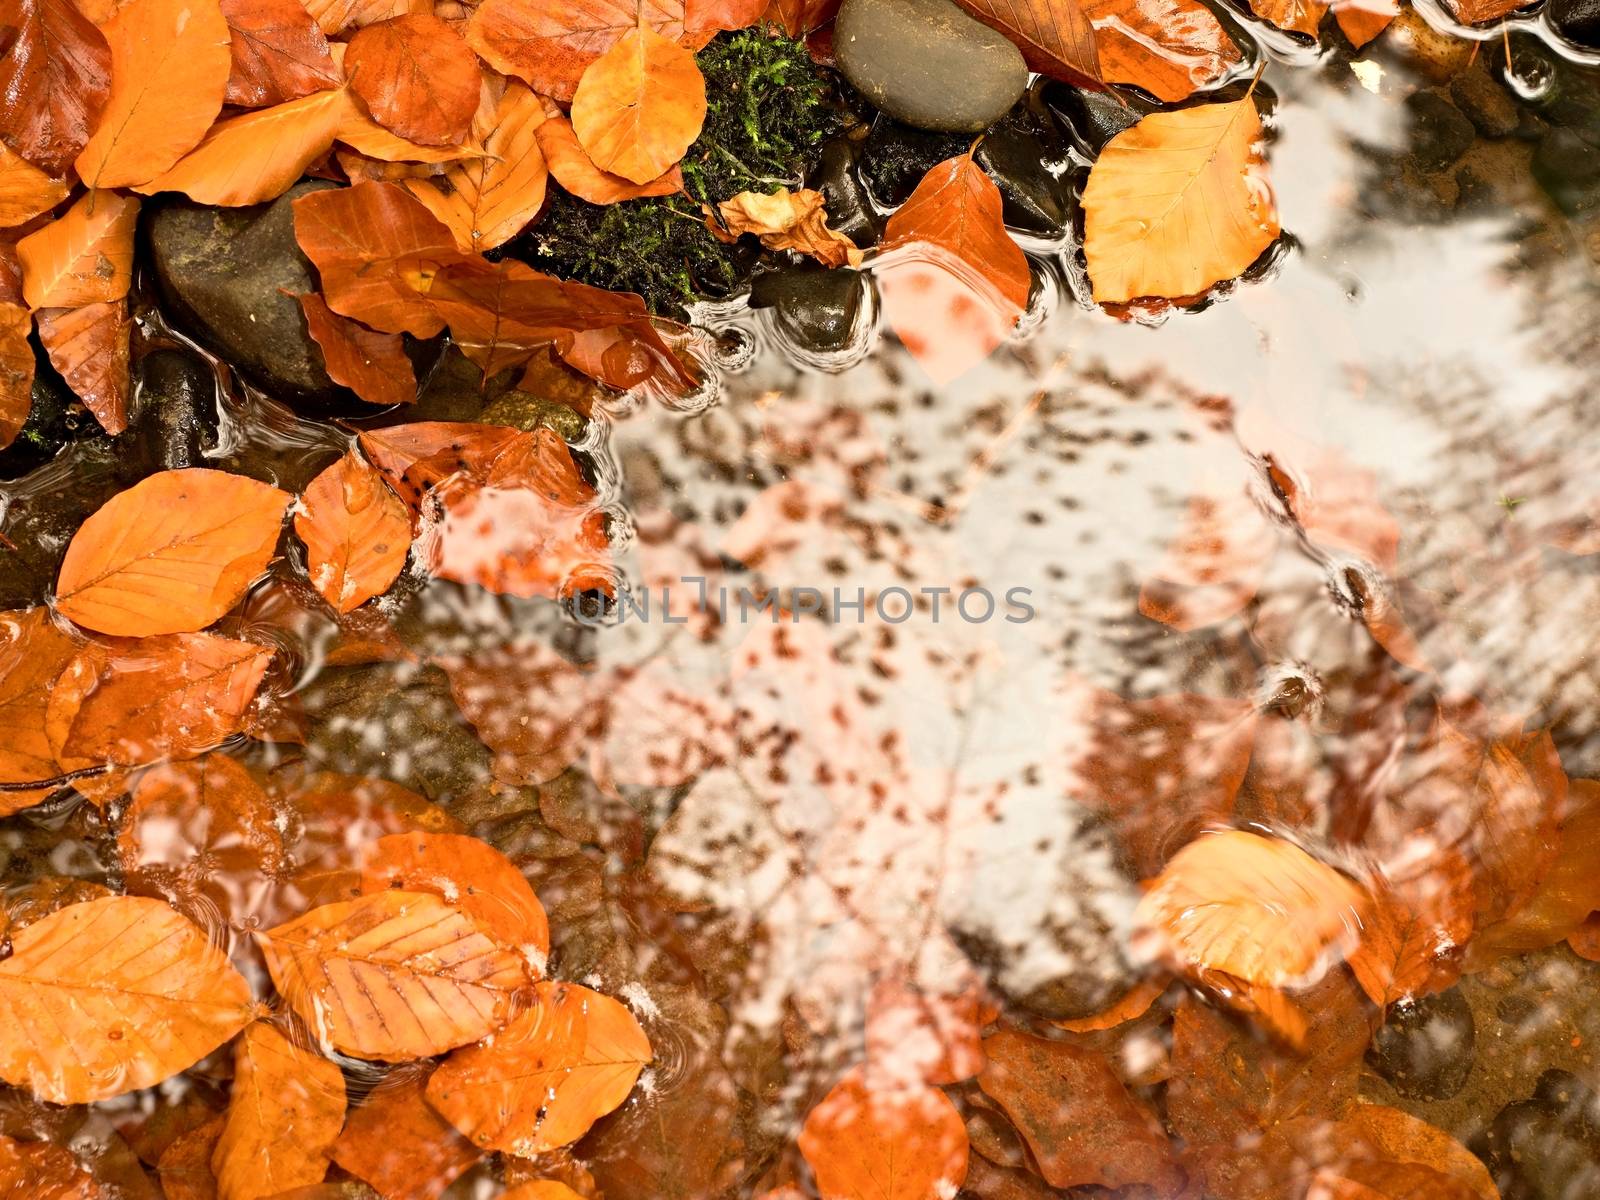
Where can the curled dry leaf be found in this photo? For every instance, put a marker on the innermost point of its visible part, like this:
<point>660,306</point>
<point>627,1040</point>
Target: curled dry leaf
<point>1259,909</point>
<point>899,1144</point>
<point>639,106</point>
<point>785,220</point>
<point>169,72</point>
<point>171,554</point>
<point>393,976</point>
<point>1170,48</point>
<point>33,653</point>
<point>41,1171</point>
<point>373,365</point>
<point>16,371</point>
<point>566,1061</point>
<point>26,191</point>
<point>88,346</point>
<point>84,256</point>
<point>357,533</point>
<point>1056,37</point>
<point>55,76</point>
<point>286,1109</point>
<point>396,1141</point>
<point>279,54</point>
<point>416,77</point>
<point>574,170</point>
<point>111,996</point>
<point>1156,186</point>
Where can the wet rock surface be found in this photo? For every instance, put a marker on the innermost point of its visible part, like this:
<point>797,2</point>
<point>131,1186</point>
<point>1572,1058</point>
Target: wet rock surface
<point>55,419</point>
<point>174,420</point>
<point>1545,1147</point>
<point>1424,1050</point>
<point>40,520</point>
<point>838,178</point>
<point>1576,20</point>
<point>818,309</point>
<point>1486,103</point>
<point>1093,118</point>
<point>1439,133</point>
<point>927,63</point>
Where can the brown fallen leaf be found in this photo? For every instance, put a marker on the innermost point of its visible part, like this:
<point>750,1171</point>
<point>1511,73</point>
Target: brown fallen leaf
<point>1478,12</point>
<point>785,220</point>
<point>111,996</point>
<point>287,1107</point>
<point>16,371</point>
<point>1133,1005</point>
<point>574,170</point>
<point>373,365</point>
<point>1408,1139</point>
<point>1363,20</point>
<point>1056,37</point>
<point>338,16</point>
<point>396,1142</point>
<point>184,1167</point>
<point>41,1171</point>
<point>88,346</point>
<point>1411,934</point>
<point>54,79</point>
<point>639,106</point>
<point>799,18</point>
<point>1295,16</point>
<point>416,77</point>
<point>169,72</point>
<point>357,533</point>
<point>33,654</point>
<point>393,976</point>
<point>26,191</point>
<point>84,256</point>
<point>1170,48</point>
<point>568,1059</point>
<point>898,1144</point>
<point>278,53</point>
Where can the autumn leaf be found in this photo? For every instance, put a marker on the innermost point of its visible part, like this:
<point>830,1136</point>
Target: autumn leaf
<point>542,1189</point>
<point>42,1171</point>
<point>1170,48</point>
<point>373,365</point>
<point>361,133</point>
<point>26,191</point>
<point>899,1144</point>
<point>396,1141</point>
<point>1408,1139</point>
<point>84,256</point>
<point>798,18</point>
<point>785,220</point>
<point>337,16</point>
<point>278,53</point>
<point>357,533</point>
<point>287,1107</point>
<point>416,77</point>
<point>256,156</point>
<point>574,170</point>
<point>639,106</point>
<point>1413,926</point>
<point>1055,36</point>
<point>1295,16</point>
<point>169,72</point>
<point>16,371</point>
<point>111,996</point>
<point>33,654</point>
<point>1478,12</point>
<point>1130,1007</point>
<point>1363,20</point>
<point>393,976</point>
<point>1156,185</point>
<point>564,1062</point>
<point>88,346</point>
<point>54,79</point>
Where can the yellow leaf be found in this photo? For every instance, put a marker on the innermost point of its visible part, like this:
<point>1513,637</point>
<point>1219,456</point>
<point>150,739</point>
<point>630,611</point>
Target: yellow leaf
<point>84,256</point>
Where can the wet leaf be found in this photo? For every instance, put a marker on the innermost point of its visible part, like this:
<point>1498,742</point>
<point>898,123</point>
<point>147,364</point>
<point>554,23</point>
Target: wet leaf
<point>416,77</point>
<point>639,106</point>
<point>1408,1139</point>
<point>41,1171</point>
<point>1130,1007</point>
<point>337,16</point>
<point>170,61</point>
<point>393,976</point>
<point>334,815</point>
<point>1296,16</point>
<point>357,533</point>
<point>278,53</point>
<point>797,18</point>
<point>1363,20</point>
<point>373,365</point>
<point>571,1057</point>
<point>542,1189</point>
<point>171,554</point>
<point>785,220</point>
<point>396,1141</point>
<point>574,170</point>
<point>54,79</point>
<point>16,371</point>
<point>1170,48</point>
<point>26,191</point>
<point>111,996</point>
<point>84,256</point>
<point>1155,186</point>
<point>1411,930</point>
<point>1055,36</point>
<point>184,1168</point>
<point>287,1107</point>
<point>1478,12</point>
<point>899,1144</point>
<point>88,346</point>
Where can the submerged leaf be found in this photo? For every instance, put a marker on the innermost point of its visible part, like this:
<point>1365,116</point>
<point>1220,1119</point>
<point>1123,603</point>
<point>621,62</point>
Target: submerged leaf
<point>33,654</point>
<point>373,365</point>
<point>896,1144</point>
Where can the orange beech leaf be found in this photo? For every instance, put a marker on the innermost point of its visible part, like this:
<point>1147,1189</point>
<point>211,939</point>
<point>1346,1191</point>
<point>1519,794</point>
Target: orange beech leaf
<point>1408,1139</point>
<point>1257,908</point>
<point>278,52</point>
<point>486,200</point>
<point>958,290</point>
<point>785,220</point>
<point>416,77</point>
<point>361,133</point>
<point>639,106</point>
<point>286,1109</point>
<point>1296,16</point>
<point>396,1141</point>
<point>256,156</point>
<point>33,654</point>
<point>1075,1114</point>
<point>574,170</point>
<point>171,697</point>
<point>393,976</point>
<point>26,191</point>
<point>357,533</point>
<point>1157,186</point>
<point>373,365</point>
<point>418,456</point>
<point>373,244</point>
<point>532,743</point>
<point>16,371</point>
<point>1412,929</point>
<point>549,43</point>
<point>170,61</point>
<point>184,1167</point>
<point>915,1038</point>
<point>171,554</point>
<point>334,814</point>
<point>566,1061</point>
<point>111,996</point>
<point>336,16</point>
<point>1170,48</point>
<point>55,76</point>
<point>899,1144</point>
<point>1478,12</point>
<point>84,256</point>
<point>1363,20</point>
<point>89,347</point>
<point>41,1171</point>
<point>797,18</point>
<point>1055,36</point>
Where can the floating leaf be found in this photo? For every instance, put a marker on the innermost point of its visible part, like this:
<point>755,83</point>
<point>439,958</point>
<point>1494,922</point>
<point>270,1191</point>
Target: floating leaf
<point>33,653</point>
<point>1156,186</point>
<point>639,106</point>
<point>357,533</point>
<point>574,170</point>
<point>1055,36</point>
<point>84,256</point>
<point>898,1144</point>
<point>169,72</point>
<point>171,554</point>
<point>417,78</point>
<point>396,1141</point>
<point>1170,48</point>
<point>279,53</point>
<point>55,76</point>
<point>1363,20</point>
<point>394,975</point>
<point>111,996</point>
<point>1296,16</point>
<point>785,220</point>
<point>26,191</point>
<point>88,346</point>
<point>16,371</point>
<point>571,1057</point>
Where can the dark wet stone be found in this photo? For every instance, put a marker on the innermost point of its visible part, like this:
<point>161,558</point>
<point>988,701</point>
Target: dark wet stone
<point>1567,166</point>
<point>525,411</point>
<point>175,418</point>
<point>55,419</point>
<point>1542,1149</point>
<point>44,513</point>
<point>1473,192</point>
<point>1017,158</point>
<point>1439,133</point>
<point>1424,1050</point>
<point>1577,21</point>
<point>896,157</point>
<point>818,309</point>
<point>1093,118</point>
<point>1486,103</point>
<point>220,271</point>
<point>455,390</point>
<point>927,63</point>
<point>838,178</point>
